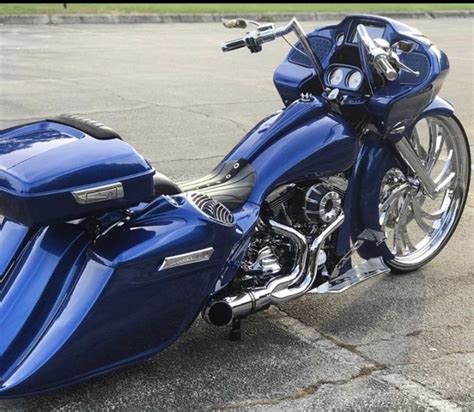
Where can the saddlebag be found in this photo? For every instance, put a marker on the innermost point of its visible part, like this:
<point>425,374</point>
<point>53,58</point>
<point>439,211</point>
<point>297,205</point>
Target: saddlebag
<point>52,172</point>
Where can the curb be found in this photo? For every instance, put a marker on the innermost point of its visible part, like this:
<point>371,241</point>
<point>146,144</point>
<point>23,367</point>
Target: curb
<point>207,17</point>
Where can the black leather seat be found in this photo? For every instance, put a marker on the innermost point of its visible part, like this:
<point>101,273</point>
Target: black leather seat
<point>231,183</point>
<point>91,127</point>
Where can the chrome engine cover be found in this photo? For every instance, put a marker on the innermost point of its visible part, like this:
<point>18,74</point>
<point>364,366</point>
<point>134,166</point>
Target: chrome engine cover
<point>322,204</point>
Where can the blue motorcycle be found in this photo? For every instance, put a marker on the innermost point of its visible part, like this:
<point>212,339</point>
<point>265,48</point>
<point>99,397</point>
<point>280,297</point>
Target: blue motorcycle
<point>104,261</point>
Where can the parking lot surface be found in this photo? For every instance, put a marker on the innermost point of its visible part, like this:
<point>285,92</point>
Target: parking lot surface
<point>393,342</point>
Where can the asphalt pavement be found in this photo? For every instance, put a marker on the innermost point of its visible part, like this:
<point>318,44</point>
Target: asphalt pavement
<point>398,342</point>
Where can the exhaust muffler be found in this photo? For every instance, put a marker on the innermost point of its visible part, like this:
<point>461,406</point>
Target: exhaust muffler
<point>279,290</point>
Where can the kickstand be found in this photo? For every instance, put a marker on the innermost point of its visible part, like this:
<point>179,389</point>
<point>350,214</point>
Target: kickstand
<point>236,331</point>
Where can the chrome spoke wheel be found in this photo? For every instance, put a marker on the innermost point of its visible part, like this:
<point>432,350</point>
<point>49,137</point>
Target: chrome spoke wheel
<point>417,227</point>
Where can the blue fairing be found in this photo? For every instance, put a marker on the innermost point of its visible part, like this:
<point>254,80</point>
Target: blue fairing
<point>398,101</point>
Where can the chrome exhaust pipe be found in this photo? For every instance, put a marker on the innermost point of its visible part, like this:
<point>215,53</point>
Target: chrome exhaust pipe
<point>280,289</point>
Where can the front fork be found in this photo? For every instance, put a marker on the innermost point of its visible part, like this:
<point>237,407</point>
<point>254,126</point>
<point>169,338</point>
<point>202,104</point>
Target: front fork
<point>408,154</point>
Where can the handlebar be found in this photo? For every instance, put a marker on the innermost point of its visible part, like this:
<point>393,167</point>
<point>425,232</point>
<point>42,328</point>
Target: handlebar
<point>266,33</point>
<point>233,45</point>
<point>253,40</point>
<point>378,55</point>
<point>383,66</point>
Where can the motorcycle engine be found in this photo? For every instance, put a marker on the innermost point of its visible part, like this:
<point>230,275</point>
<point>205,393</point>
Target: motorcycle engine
<point>322,203</point>
<point>306,207</point>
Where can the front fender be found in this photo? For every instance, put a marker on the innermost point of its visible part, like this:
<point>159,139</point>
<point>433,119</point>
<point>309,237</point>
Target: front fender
<point>376,157</point>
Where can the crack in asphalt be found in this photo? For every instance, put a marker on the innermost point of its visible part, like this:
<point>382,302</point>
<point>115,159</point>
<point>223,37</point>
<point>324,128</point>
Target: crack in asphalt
<point>353,347</point>
<point>365,371</point>
<point>302,393</point>
<point>234,122</point>
<point>347,346</point>
<point>311,335</point>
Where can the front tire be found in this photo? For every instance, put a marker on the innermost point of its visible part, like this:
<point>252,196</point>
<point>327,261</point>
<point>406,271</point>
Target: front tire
<point>416,227</point>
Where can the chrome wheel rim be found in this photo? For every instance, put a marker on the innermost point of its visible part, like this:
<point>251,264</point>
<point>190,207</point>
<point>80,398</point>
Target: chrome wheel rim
<point>417,227</point>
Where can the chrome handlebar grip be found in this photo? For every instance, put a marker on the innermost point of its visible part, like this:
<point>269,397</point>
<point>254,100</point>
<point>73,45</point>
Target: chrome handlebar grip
<point>264,34</point>
<point>383,66</point>
<point>378,55</point>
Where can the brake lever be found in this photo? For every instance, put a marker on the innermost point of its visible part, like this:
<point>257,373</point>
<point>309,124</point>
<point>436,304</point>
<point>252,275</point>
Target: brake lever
<point>407,69</point>
<point>396,60</point>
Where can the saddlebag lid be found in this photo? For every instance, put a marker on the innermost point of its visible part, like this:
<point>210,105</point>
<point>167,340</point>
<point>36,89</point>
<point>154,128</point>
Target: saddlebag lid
<point>51,172</point>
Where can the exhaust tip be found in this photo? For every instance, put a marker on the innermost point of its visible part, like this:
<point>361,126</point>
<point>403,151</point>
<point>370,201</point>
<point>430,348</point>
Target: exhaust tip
<point>219,313</point>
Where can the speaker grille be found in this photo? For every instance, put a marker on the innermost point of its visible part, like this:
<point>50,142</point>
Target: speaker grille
<point>212,208</point>
<point>321,47</point>
<point>418,62</point>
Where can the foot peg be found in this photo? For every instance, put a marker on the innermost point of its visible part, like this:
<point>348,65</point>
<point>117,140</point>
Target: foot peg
<point>366,270</point>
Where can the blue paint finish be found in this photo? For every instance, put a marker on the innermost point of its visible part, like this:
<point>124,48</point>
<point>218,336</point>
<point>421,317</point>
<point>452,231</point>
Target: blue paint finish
<point>304,141</point>
<point>106,286</point>
<point>362,201</point>
<point>12,237</point>
<point>75,161</point>
<point>73,306</point>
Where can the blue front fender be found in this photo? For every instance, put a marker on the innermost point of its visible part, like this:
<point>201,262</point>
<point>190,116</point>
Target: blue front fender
<point>377,155</point>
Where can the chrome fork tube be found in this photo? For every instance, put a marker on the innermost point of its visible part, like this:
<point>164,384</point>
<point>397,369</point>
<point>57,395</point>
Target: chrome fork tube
<point>408,154</point>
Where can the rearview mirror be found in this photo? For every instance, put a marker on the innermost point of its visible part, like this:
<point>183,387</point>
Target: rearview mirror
<point>404,46</point>
<point>235,23</point>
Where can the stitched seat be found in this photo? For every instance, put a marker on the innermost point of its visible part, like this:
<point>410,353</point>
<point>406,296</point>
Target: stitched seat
<point>231,183</point>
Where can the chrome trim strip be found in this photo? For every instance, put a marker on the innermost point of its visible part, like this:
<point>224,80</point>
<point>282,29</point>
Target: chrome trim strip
<point>202,255</point>
<point>99,194</point>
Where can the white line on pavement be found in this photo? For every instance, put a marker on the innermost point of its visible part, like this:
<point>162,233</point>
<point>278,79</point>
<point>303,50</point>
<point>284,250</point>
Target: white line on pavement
<point>417,391</point>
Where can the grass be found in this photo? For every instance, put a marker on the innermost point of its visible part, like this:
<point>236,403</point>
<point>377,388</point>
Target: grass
<point>57,8</point>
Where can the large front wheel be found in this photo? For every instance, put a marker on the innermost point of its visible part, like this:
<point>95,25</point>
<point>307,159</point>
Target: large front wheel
<point>418,227</point>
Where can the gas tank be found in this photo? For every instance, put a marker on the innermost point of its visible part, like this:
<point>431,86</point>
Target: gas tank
<point>303,141</point>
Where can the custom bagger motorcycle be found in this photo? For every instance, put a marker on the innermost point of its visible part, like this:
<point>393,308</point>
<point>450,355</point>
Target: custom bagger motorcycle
<point>105,261</point>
